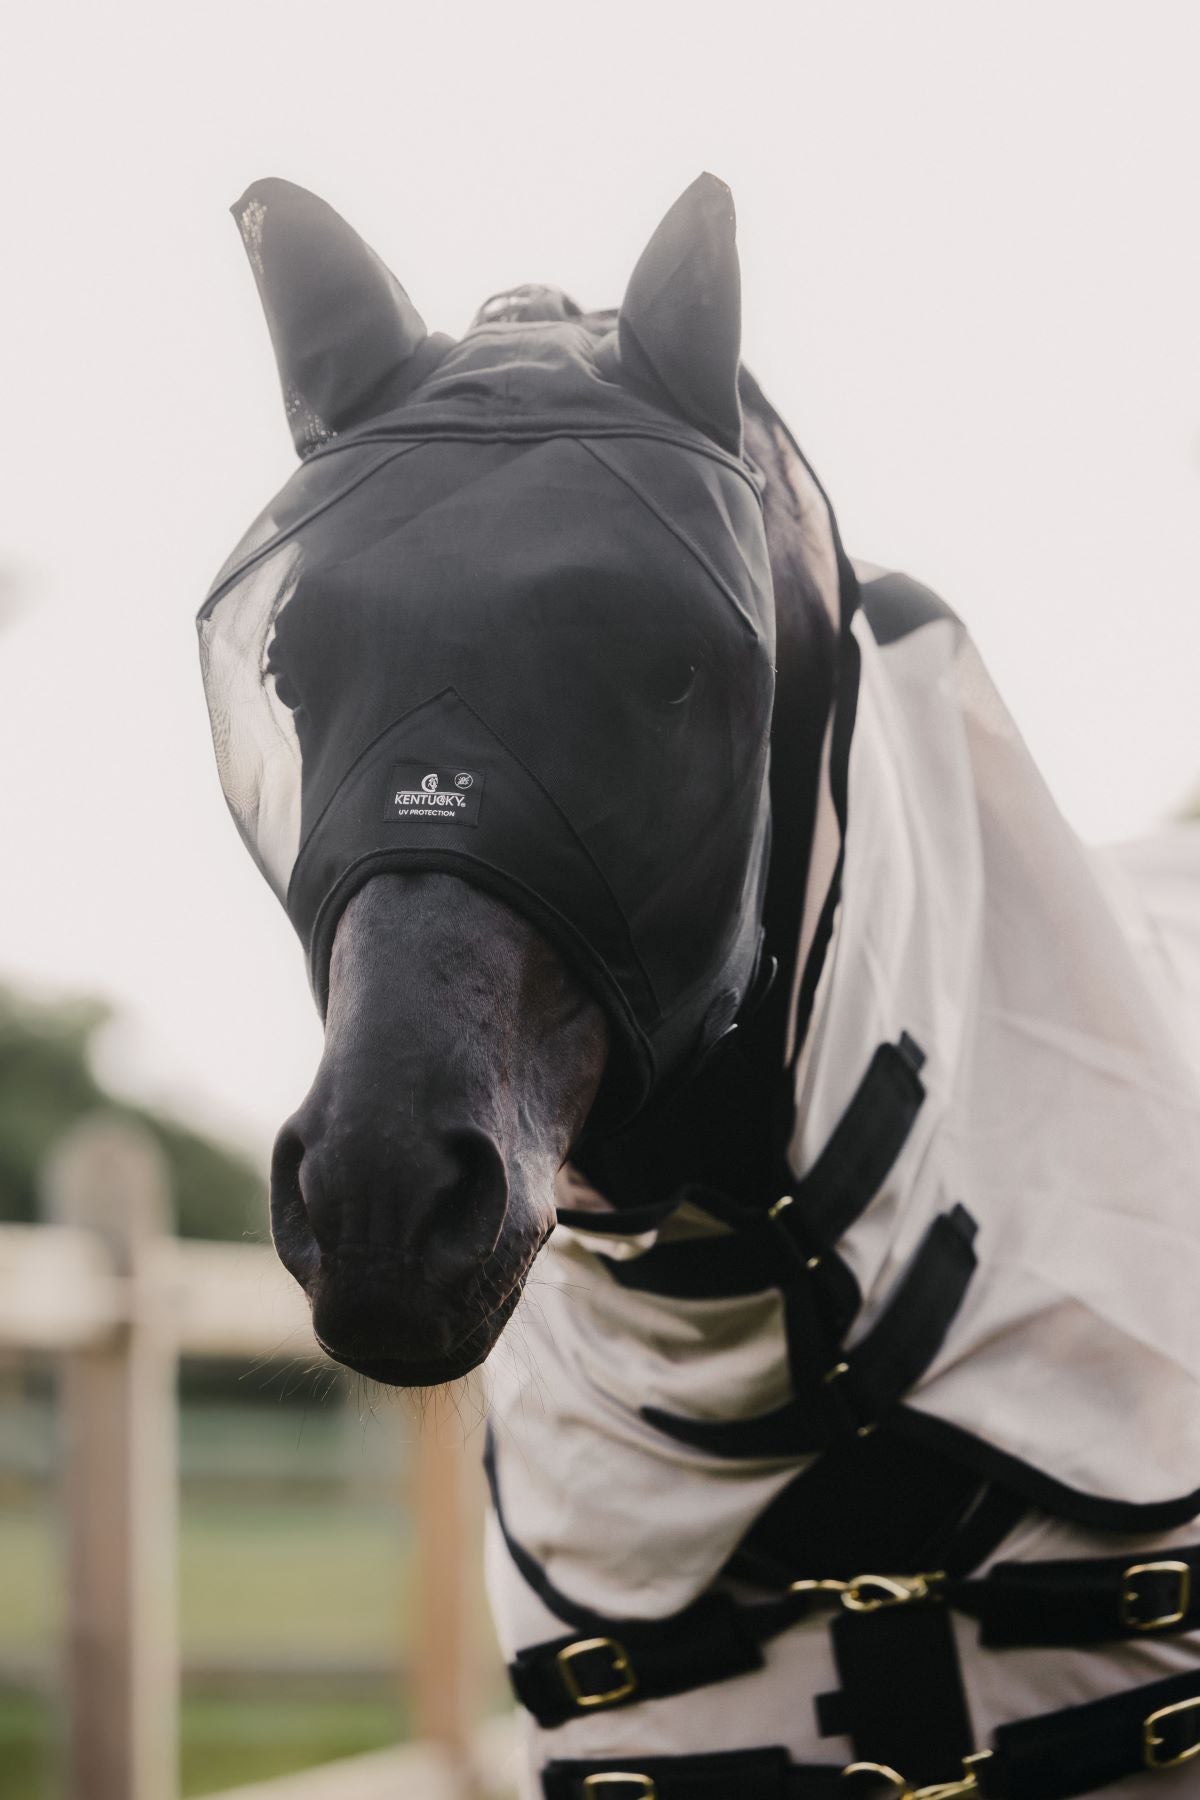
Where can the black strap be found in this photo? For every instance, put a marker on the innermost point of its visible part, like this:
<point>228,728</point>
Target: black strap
<point>703,1268</point>
<point>822,667</point>
<point>897,1662</point>
<point>844,714</point>
<point>821,1206</point>
<point>1056,1756</point>
<point>626,1223</point>
<point>875,1503</point>
<point>863,1146</point>
<point>722,1775</point>
<point>1085,1601</point>
<point>1061,1754</point>
<point>626,1661</point>
<point>837,1398</point>
<point>899,1348</point>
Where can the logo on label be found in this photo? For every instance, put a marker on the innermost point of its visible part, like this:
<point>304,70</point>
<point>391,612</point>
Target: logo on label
<point>418,794</point>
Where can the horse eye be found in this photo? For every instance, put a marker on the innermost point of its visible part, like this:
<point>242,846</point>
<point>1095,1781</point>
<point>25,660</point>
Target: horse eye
<point>676,681</point>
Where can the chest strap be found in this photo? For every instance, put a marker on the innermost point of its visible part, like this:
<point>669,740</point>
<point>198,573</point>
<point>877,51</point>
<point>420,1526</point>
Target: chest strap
<point>1054,1756</point>
<point>822,1204</point>
<point>610,1663</point>
<point>864,1144</point>
<point>1069,1603</point>
<point>746,1774</point>
<point>711,1640</point>
<point>840,1393</point>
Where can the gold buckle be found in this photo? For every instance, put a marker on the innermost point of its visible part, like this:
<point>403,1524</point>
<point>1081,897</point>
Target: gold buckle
<point>621,1667</point>
<point>1130,1596</point>
<point>870,1593</point>
<point>1152,1743</point>
<point>648,1791</point>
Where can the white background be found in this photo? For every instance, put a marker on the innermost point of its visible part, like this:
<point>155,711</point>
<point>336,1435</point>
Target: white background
<point>972,282</point>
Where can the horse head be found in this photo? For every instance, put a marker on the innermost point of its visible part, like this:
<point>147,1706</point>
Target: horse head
<point>491,686</point>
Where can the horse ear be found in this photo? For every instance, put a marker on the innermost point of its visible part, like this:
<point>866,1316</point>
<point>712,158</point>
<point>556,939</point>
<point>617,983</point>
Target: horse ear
<point>681,318</point>
<point>342,327</point>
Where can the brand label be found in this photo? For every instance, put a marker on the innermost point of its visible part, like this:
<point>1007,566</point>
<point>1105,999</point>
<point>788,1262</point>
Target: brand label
<point>434,796</point>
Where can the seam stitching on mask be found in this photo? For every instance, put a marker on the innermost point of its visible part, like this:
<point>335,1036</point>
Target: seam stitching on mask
<point>677,531</point>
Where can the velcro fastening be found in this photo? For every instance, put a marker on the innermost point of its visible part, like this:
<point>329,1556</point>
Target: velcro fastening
<point>902,1701</point>
<point>864,1144</point>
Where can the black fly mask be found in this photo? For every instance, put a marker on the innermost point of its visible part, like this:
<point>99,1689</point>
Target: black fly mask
<point>512,620</point>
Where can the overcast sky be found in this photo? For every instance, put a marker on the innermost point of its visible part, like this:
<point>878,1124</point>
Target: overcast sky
<point>972,282</point>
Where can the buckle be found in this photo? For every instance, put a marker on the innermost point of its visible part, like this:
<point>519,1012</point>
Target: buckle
<point>1152,1743</point>
<point>646,1789</point>
<point>1130,1597</point>
<point>622,1668</point>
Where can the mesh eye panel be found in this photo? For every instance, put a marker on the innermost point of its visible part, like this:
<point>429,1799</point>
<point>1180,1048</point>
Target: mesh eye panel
<point>254,733</point>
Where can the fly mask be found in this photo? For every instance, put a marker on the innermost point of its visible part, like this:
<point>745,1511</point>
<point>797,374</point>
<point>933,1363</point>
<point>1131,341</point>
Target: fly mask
<point>512,620</point>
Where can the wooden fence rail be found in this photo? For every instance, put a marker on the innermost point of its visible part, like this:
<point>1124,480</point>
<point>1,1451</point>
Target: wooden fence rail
<point>105,1289</point>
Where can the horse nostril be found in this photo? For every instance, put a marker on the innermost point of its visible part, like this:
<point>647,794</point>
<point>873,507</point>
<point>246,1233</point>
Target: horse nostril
<point>443,1200</point>
<point>473,1205</point>
<point>291,1228</point>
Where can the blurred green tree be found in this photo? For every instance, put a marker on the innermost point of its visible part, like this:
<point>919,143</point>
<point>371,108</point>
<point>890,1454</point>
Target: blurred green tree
<point>46,1082</point>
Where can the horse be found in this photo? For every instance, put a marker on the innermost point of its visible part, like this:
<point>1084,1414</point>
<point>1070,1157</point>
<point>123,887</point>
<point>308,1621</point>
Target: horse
<point>690,925</point>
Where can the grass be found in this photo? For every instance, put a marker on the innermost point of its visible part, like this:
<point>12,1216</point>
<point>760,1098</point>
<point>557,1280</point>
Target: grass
<point>26,1748</point>
<point>258,1578</point>
<point>30,1609</point>
<point>225,1741</point>
<point>267,1578</point>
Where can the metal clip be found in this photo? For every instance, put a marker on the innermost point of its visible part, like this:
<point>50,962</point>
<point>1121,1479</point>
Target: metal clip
<point>870,1593</point>
<point>965,1788</point>
<point>889,1590</point>
<point>884,1772</point>
<point>835,1589</point>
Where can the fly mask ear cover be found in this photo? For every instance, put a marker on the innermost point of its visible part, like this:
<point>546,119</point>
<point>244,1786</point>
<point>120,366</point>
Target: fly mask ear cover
<point>516,625</point>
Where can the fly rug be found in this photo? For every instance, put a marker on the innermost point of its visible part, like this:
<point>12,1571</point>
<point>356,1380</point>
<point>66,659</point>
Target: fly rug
<point>675,885</point>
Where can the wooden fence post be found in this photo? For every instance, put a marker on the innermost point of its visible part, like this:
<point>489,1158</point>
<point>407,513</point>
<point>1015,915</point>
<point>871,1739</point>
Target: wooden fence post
<point>119,1424</point>
<point>443,1653</point>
